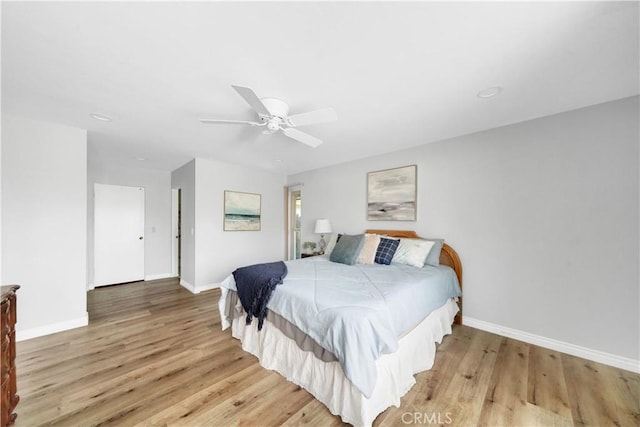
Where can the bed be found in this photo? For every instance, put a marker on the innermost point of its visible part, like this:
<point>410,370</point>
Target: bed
<point>317,343</point>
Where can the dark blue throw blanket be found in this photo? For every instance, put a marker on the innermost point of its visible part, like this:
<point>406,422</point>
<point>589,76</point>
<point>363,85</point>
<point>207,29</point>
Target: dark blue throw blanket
<point>255,285</point>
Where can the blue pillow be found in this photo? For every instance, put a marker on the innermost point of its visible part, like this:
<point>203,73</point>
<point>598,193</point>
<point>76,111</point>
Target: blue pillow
<point>347,249</point>
<point>433,258</point>
<point>386,250</point>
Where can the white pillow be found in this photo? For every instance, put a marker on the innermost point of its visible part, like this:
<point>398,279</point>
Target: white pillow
<point>368,252</point>
<point>412,252</point>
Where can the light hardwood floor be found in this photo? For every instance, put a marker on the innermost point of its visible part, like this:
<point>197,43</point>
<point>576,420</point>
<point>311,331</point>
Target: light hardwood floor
<point>154,354</point>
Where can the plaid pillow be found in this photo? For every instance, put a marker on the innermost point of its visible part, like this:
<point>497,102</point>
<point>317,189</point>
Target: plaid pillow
<point>386,250</point>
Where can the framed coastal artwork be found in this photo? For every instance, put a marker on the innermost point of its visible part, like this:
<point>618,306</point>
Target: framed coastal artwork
<point>391,194</point>
<point>241,211</point>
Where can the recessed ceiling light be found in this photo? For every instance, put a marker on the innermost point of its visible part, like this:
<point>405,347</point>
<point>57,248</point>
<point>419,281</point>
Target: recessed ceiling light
<point>490,92</point>
<point>101,117</point>
<point>142,159</point>
<point>277,160</point>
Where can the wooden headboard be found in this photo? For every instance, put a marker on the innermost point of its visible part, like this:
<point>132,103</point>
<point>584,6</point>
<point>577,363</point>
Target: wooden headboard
<point>448,256</point>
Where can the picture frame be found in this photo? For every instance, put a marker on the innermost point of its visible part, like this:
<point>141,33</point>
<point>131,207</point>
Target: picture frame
<point>242,211</point>
<point>392,194</point>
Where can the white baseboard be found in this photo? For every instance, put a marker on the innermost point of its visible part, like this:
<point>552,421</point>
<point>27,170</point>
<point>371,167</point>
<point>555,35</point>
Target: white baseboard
<point>196,290</point>
<point>207,287</point>
<point>53,328</point>
<point>188,286</point>
<point>158,276</point>
<point>621,362</point>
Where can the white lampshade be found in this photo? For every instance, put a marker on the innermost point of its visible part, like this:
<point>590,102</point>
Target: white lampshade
<point>322,226</point>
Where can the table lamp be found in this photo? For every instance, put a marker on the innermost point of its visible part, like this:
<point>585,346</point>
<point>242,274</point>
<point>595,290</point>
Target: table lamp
<point>322,226</point>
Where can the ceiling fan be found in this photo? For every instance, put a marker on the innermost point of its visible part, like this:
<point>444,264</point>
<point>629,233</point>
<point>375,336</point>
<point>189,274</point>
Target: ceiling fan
<point>274,114</point>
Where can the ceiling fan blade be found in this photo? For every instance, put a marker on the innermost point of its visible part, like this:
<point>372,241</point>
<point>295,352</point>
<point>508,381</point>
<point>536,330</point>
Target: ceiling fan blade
<point>235,122</point>
<point>252,99</point>
<point>300,136</point>
<point>312,117</point>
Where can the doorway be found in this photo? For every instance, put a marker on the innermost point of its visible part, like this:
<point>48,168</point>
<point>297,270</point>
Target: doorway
<point>118,234</point>
<point>176,221</point>
<point>295,217</point>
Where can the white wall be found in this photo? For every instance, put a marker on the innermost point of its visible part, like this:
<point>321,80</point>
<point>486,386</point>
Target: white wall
<point>158,234</point>
<point>44,223</point>
<point>209,254</point>
<point>544,215</point>
<point>1,204</point>
<point>220,252</point>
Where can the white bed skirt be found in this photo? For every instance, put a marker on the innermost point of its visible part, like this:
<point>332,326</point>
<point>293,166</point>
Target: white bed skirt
<point>326,381</point>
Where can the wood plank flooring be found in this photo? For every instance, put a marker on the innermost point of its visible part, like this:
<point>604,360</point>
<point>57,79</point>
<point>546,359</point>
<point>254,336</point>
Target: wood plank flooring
<point>154,354</point>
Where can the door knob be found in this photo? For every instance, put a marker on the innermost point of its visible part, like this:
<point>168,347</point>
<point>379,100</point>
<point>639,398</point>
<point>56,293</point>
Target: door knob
<point>140,238</point>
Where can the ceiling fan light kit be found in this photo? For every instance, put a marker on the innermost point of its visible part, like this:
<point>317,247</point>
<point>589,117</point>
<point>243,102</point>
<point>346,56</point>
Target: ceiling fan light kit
<point>274,114</point>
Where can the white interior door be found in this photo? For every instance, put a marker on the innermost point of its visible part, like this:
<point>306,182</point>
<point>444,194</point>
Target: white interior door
<point>119,234</point>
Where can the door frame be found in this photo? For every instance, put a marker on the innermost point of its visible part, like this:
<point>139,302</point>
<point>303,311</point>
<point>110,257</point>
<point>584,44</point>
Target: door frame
<point>291,219</point>
<point>176,231</point>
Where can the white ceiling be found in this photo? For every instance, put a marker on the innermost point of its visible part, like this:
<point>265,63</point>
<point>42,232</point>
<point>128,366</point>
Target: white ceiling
<point>398,74</point>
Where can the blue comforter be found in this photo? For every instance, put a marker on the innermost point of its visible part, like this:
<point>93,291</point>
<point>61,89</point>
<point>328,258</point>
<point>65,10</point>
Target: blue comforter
<point>359,312</point>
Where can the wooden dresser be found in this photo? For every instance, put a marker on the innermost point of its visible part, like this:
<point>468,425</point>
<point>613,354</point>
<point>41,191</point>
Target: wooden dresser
<point>8,356</point>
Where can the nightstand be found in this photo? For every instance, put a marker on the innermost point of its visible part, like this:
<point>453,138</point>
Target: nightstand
<point>309,255</point>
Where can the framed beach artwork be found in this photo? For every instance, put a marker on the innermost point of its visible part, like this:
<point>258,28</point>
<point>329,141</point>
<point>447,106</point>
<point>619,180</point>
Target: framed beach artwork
<point>241,211</point>
<point>391,194</point>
